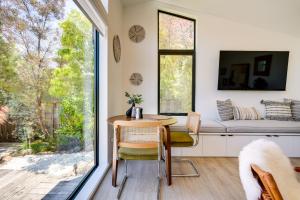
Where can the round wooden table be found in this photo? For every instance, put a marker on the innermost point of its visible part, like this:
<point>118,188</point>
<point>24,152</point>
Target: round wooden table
<point>166,121</point>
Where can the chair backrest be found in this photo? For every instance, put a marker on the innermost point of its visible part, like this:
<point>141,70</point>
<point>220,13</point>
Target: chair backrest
<point>267,183</point>
<point>138,134</point>
<point>193,122</point>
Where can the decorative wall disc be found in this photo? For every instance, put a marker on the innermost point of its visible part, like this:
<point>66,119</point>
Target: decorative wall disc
<point>137,33</point>
<point>136,79</point>
<point>117,48</point>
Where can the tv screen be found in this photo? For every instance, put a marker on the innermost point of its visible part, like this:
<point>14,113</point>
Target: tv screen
<point>253,70</point>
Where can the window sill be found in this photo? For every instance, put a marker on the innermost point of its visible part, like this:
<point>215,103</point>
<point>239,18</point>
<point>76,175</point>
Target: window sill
<point>93,182</point>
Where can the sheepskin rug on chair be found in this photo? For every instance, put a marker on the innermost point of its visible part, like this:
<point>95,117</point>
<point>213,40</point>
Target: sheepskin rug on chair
<point>269,157</point>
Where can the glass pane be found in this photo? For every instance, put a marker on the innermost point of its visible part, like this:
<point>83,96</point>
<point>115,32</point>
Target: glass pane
<point>175,83</point>
<point>175,32</point>
<point>47,99</point>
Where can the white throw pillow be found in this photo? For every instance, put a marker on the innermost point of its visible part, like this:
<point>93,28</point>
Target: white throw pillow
<point>245,113</point>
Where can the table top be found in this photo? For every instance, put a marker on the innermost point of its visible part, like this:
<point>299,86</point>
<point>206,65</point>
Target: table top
<point>165,120</point>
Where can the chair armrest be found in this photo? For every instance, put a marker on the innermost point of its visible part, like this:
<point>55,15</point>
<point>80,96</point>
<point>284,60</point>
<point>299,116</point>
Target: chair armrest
<point>297,169</point>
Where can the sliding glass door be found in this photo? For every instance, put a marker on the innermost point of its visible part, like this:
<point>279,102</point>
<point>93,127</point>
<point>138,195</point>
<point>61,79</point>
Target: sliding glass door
<point>48,99</point>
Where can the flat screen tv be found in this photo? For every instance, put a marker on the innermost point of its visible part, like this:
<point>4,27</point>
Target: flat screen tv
<point>253,70</point>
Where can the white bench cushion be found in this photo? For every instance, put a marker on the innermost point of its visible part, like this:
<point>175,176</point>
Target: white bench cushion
<point>207,126</point>
<point>261,126</point>
<point>211,126</point>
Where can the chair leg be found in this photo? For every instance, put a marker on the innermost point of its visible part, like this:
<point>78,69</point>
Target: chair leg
<point>114,172</point>
<point>159,180</point>
<point>196,174</point>
<point>122,186</point>
<point>158,188</point>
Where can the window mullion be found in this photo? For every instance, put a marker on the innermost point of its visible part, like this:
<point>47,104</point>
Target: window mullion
<point>175,52</point>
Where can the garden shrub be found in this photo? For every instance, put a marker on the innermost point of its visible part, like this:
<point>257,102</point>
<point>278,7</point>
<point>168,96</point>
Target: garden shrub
<point>68,143</point>
<point>39,146</point>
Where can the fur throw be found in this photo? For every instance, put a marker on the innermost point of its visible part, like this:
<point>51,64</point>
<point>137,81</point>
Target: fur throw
<point>269,157</point>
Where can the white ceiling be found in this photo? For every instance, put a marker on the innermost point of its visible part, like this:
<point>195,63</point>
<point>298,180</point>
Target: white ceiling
<point>277,15</point>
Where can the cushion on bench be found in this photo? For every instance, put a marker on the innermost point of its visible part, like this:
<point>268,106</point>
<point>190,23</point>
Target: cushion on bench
<point>211,126</point>
<point>206,126</point>
<point>261,126</point>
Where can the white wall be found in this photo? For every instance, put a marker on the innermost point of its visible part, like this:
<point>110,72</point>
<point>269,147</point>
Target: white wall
<point>277,15</point>
<point>115,88</point>
<point>115,70</point>
<point>213,34</point>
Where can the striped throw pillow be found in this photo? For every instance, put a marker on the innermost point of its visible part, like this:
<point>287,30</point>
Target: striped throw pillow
<point>295,106</point>
<point>225,110</point>
<point>244,113</point>
<point>278,110</point>
<point>296,110</point>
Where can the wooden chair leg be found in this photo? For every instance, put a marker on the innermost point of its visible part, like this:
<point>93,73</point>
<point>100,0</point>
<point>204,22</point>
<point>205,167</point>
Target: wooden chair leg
<point>114,172</point>
<point>297,169</point>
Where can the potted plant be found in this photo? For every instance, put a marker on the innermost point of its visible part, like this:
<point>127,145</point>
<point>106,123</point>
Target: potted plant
<point>134,99</point>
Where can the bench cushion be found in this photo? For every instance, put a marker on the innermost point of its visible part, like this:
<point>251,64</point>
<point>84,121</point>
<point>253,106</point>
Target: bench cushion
<point>206,126</point>
<point>261,126</point>
<point>211,126</point>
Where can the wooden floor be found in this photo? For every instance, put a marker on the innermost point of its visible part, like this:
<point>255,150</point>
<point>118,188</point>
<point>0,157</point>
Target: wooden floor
<point>219,180</point>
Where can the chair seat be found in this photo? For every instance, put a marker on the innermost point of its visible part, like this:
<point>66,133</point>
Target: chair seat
<point>181,139</point>
<point>138,153</point>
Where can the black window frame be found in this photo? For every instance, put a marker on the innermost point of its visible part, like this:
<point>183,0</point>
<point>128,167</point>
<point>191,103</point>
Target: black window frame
<point>96,107</point>
<point>190,52</point>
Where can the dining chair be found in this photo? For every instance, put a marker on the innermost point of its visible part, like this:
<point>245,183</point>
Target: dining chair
<point>186,139</point>
<point>136,140</point>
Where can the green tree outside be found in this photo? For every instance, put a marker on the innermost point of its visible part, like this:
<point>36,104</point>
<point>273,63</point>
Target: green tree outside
<point>75,71</point>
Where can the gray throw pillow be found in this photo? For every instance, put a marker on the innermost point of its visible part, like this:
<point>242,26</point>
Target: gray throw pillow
<point>295,106</point>
<point>276,110</point>
<point>225,109</point>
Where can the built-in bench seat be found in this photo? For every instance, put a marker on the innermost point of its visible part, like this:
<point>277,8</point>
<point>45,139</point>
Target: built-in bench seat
<point>227,138</point>
<point>261,126</point>
<point>207,126</point>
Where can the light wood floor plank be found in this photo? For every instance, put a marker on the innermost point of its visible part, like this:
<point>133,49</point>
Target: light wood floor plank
<point>219,180</point>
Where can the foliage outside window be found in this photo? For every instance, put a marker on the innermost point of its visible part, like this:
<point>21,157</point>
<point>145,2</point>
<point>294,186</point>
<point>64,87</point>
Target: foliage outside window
<point>176,59</point>
<point>47,90</point>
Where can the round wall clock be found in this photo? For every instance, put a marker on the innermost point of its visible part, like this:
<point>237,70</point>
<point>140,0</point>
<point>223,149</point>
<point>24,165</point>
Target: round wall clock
<point>136,79</point>
<point>117,48</point>
<point>137,33</point>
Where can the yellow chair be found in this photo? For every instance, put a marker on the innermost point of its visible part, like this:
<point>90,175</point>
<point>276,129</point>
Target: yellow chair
<point>187,138</point>
<point>136,140</point>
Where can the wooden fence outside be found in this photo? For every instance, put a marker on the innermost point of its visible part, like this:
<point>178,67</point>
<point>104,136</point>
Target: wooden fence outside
<point>7,128</point>
<point>7,132</point>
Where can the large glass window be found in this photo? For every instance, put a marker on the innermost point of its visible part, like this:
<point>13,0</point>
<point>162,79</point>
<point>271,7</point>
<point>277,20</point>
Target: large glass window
<point>176,61</point>
<point>48,98</point>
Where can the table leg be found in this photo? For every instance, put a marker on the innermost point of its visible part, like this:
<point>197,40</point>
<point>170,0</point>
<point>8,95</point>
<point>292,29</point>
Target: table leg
<point>168,156</point>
